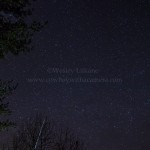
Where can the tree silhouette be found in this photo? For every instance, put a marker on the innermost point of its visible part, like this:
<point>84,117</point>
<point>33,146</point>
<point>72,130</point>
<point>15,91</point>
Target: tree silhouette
<point>6,88</point>
<point>51,137</point>
<point>16,33</point>
<point>15,37</point>
<point>66,140</point>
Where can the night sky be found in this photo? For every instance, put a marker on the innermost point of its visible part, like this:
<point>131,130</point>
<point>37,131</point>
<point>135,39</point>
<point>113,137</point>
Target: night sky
<point>84,40</point>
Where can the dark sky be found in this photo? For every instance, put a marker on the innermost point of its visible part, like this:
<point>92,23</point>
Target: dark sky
<point>110,37</point>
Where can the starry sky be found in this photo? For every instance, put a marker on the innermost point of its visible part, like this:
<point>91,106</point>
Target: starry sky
<point>108,41</point>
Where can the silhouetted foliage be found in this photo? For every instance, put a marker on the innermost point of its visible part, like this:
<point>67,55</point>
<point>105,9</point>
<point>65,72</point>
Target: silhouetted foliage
<point>15,33</point>
<point>6,89</point>
<point>15,37</point>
